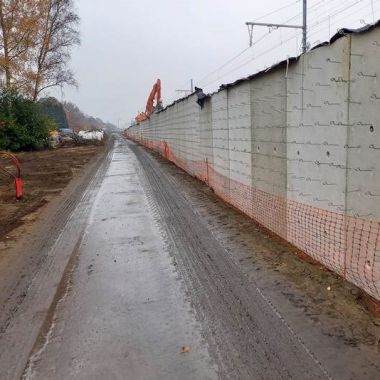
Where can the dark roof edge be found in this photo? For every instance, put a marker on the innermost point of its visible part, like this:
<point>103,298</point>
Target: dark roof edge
<point>180,100</point>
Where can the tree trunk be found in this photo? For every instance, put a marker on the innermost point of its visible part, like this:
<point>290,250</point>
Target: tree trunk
<point>4,31</point>
<point>36,89</point>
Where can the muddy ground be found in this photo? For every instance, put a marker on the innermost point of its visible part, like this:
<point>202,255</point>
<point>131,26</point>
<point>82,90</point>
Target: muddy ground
<point>319,294</point>
<point>258,309</point>
<point>44,174</point>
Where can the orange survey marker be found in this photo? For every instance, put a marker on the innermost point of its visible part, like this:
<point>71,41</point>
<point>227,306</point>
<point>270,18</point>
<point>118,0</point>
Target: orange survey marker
<point>16,176</point>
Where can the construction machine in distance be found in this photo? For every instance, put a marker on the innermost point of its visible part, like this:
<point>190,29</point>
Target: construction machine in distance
<point>150,106</point>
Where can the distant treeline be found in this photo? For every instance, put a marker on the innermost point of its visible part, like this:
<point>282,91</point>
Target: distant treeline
<point>77,120</point>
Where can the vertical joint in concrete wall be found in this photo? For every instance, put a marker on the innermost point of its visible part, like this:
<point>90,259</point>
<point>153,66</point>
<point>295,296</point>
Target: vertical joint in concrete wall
<point>228,146</point>
<point>347,152</point>
<point>286,133</point>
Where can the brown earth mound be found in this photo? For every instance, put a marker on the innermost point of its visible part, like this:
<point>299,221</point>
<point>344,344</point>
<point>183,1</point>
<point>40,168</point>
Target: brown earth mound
<point>44,174</point>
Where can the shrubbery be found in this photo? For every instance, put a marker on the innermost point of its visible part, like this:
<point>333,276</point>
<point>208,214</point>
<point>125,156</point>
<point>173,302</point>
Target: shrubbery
<point>23,124</point>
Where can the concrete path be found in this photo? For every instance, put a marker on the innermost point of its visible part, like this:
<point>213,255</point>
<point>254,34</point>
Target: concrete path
<point>156,285</point>
<point>124,313</point>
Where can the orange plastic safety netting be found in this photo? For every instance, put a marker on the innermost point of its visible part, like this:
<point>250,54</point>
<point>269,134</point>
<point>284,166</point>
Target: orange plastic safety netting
<point>345,244</point>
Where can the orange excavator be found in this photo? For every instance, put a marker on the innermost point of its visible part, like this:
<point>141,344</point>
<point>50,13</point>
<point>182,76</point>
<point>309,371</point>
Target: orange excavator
<point>150,107</point>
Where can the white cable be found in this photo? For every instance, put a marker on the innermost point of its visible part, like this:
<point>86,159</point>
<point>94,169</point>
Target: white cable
<point>277,10</point>
<point>313,28</point>
<point>272,48</point>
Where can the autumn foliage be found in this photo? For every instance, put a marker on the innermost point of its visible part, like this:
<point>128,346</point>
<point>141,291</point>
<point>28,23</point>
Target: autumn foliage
<point>36,37</point>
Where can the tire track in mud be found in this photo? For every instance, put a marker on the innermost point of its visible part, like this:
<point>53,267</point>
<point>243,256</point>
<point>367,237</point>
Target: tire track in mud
<point>248,337</point>
<point>16,290</point>
<point>13,292</point>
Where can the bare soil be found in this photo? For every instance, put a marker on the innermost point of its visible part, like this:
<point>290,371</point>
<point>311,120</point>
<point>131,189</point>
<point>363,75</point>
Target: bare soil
<point>314,300</point>
<point>264,311</point>
<point>44,174</point>
<point>37,247</point>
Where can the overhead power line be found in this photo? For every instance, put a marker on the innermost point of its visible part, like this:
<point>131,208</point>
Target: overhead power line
<point>319,26</point>
<point>244,63</point>
<point>277,10</point>
<point>260,39</point>
<point>224,64</point>
<point>336,10</point>
<point>244,50</point>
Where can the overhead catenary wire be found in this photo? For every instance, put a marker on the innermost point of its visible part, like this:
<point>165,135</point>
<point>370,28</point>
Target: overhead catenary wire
<point>320,27</point>
<point>250,60</point>
<point>247,61</point>
<point>225,64</point>
<point>235,57</point>
<point>278,10</point>
<point>332,7</point>
<point>239,54</point>
<point>260,38</point>
<point>317,25</point>
<point>328,13</point>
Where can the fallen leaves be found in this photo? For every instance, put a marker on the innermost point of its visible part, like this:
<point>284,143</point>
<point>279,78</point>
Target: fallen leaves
<point>184,349</point>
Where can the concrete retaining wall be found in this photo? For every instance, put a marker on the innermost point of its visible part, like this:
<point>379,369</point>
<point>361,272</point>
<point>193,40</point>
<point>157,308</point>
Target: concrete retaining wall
<point>297,149</point>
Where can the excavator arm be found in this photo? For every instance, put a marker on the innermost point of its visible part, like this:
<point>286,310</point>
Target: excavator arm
<point>150,107</point>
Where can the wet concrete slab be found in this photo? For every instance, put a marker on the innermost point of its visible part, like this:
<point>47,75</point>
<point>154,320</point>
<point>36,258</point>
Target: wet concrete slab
<point>124,313</point>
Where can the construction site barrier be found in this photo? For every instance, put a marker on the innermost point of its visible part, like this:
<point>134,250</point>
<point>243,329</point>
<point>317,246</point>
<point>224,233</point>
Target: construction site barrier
<point>296,148</point>
<point>15,176</point>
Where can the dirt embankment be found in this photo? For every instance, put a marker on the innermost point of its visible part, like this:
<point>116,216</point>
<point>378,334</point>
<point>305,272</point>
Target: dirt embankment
<point>45,174</point>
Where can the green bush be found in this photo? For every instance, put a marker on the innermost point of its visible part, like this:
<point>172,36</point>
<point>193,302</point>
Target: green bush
<point>23,124</point>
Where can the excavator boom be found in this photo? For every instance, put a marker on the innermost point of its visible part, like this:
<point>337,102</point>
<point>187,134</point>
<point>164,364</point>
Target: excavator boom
<point>150,107</point>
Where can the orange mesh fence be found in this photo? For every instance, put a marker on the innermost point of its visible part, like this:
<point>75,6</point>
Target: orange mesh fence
<point>348,245</point>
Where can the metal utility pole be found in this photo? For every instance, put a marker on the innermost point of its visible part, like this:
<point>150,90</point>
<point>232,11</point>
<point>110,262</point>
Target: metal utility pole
<point>250,26</point>
<point>304,26</point>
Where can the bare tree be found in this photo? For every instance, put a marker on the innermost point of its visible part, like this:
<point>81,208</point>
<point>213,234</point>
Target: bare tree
<point>57,34</point>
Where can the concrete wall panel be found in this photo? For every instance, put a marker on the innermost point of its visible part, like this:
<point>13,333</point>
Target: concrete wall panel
<point>317,88</point>
<point>206,151</point>
<point>268,103</point>
<point>220,179</point>
<point>297,149</point>
<point>363,147</point>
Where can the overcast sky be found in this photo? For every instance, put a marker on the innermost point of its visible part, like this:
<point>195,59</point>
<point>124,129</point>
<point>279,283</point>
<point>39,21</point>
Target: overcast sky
<point>128,44</point>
